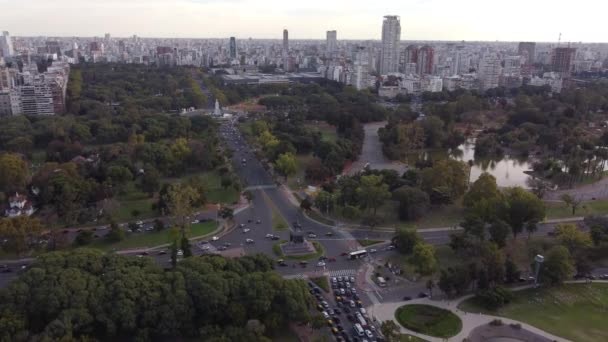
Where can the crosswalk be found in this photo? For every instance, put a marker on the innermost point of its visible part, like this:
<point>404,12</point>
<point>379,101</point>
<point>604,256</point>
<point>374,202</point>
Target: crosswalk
<point>343,273</point>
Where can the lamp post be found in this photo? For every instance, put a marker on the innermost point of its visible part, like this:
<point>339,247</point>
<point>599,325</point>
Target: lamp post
<point>538,260</point>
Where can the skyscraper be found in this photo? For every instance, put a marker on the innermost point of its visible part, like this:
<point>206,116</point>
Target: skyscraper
<point>562,58</point>
<point>489,71</point>
<point>285,41</point>
<point>426,56</point>
<point>528,51</point>
<point>332,42</point>
<point>232,47</point>
<point>391,36</point>
<point>6,44</point>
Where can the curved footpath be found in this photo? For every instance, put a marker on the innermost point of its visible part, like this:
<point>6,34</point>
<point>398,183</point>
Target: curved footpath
<point>470,321</point>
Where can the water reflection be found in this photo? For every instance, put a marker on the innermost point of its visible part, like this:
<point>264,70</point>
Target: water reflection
<point>509,171</point>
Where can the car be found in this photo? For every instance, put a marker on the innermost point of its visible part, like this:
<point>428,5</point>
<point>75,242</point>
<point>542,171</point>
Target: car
<point>355,296</point>
<point>222,248</point>
<point>340,279</point>
<point>139,223</point>
<point>330,312</point>
<point>320,307</point>
<point>249,241</point>
<point>249,221</point>
<point>180,252</point>
<point>325,304</point>
<point>203,242</point>
<point>390,247</point>
<point>334,279</point>
<point>163,252</point>
<point>342,291</point>
<point>359,304</point>
<point>321,264</point>
<point>337,311</point>
<point>352,303</point>
<point>373,250</point>
<point>350,318</point>
<point>242,225</point>
<point>258,221</point>
<point>215,238</point>
<point>334,286</point>
<point>275,238</point>
<point>195,221</point>
<point>352,279</point>
<point>205,247</point>
<point>362,311</point>
<point>312,235</point>
<point>422,295</point>
<point>335,330</point>
<point>369,334</point>
<point>246,230</point>
<point>330,323</point>
<point>269,236</point>
<point>336,319</point>
<point>325,314</point>
<point>407,298</point>
<point>329,234</point>
<point>347,285</point>
<point>346,310</point>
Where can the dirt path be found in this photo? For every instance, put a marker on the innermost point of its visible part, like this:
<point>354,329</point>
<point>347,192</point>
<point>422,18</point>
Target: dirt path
<point>587,192</point>
<point>372,152</point>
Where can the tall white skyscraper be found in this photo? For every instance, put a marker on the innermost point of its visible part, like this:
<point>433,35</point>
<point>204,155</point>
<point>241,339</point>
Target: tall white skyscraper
<point>391,36</point>
<point>6,44</point>
<point>332,42</point>
<point>489,71</point>
<point>285,41</point>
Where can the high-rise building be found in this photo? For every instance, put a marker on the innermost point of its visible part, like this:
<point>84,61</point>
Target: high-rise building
<point>512,65</point>
<point>426,56</point>
<point>489,71</point>
<point>332,42</point>
<point>232,47</point>
<point>528,51</point>
<point>6,44</point>
<point>391,36</point>
<point>285,41</point>
<point>562,58</point>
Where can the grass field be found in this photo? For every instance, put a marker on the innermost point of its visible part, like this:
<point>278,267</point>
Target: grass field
<point>278,221</point>
<point>213,188</point>
<point>152,239</point>
<point>328,132</point>
<point>321,282</point>
<point>574,311</point>
<point>560,210</point>
<point>429,320</point>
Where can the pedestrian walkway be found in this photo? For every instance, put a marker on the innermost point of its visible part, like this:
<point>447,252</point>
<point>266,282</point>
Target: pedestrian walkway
<point>343,273</point>
<point>260,187</point>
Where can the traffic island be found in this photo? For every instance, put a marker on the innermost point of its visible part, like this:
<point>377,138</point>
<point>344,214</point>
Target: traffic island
<point>429,320</point>
<point>306,250</point>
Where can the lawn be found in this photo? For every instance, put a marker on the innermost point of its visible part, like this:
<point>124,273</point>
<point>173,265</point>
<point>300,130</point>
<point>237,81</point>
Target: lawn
<point>214,192</point>
<point>321,282</point>
<point>410,338</point>
<point>152,239</point>
<point>429,320</point>
<point>328,132</point>
<point>278,221</point>
<point>557,210</point>
<point>574,311</point>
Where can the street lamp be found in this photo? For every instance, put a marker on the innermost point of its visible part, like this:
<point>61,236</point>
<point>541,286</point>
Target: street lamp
<point>538,260</point>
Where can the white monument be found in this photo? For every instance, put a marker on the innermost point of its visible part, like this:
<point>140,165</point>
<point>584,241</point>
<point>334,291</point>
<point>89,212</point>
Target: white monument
<point>217,111</point>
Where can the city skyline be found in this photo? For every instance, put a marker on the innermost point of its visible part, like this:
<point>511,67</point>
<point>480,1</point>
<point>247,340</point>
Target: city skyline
<point>439,20</point>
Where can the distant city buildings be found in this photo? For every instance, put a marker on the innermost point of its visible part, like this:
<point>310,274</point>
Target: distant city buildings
<point>232,47</point>
<point>331,44</point>
<point>391,38</point>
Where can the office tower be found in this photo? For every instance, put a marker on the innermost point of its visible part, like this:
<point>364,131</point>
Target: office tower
<point>285,41</point>
<point>6,44</point>
<point>360,78</point>
<point>391,36</point>
<point>562,58</point>
<point>489,71</point>
<point>426,56</point>
<point>411,54</point>
<point>332,42</point>
<point>528,51</point>
<point>512,65</point>
<point>232,47</point>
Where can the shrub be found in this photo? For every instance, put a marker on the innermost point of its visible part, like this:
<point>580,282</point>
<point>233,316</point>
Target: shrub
<point>515,326</point>
<point>496,322</point>
<point>494,298</point>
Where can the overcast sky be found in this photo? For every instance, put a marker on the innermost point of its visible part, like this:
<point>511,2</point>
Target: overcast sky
<point>506,20</point>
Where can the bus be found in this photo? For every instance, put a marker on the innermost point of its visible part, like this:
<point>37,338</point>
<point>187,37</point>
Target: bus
<point>358,329</point>
<point>358,254</point>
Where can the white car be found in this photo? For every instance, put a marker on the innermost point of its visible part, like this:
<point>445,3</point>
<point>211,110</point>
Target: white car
<point>372,250</point>
<point>321,264</point>
<point>312,236</point>
<point>369,334</point>
<point>270,236</point>
<point>180,252</point>
<point>245,230</point>
<point>215,238</point>
<point>195,221</point>
<point>139,223</point>
<point>249,241</point>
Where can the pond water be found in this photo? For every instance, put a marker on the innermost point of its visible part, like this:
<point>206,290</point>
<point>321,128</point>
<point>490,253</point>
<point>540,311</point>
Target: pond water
<point>509,171</point>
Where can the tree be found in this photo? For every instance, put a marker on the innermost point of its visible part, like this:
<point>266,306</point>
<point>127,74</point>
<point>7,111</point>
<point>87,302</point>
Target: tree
<point>405,240</point>
<point>423,258</point>
<point>447,174</point>
<point>286,164</point>
<point>499,231</point>
<point>14,172</point>
<point>413,202</point>
<point>159,225</point>
<point>558,266</point>
<point>116,233</point>
<point>248,195</point>
<point>83,238</point>
<point>493,263</point>
<point>317,322</point>
<point>226,213</point>
<point>572,238</point>
<point>390,330</point>
<point>519,207</point>
<point>306,204</point>
<point>226,181</point>
<point>150,182</point>
<point>182,199</point>
<point>185,246</point>
<point>373,192</point>
<point>474,226</point>
<point>324,201</point>
<point>483,197</point>
<point>20,233</point>
<point>571,202</point>
<point>174,253</point>
<point>511,272</point>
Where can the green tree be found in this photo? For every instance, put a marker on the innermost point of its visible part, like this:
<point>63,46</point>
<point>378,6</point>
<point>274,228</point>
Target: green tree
<point>572,238</point>
<point>390,330</point>
<point>182,201</point>
<point>423,258</point>
<point>499,231</point>
<point>20,233</point>
<point>150,182</point>
<point>413,202</point>
<point>226,213</point>
<point>447,174</point>
<point>405,240</point>
<point>373,192</point>
<point>571,202</point>
<point>519,207</point>
<point>483,197</point>
<point>286,165</point>
<point>185,247</point>
<point>14,172</point>
<point>83,238</point>
<point>511,272</point>
<point>159,225</point>
<point>116,233</point>
<point>430,285</point>
<point>324,201</point>
<point>558,266</point>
